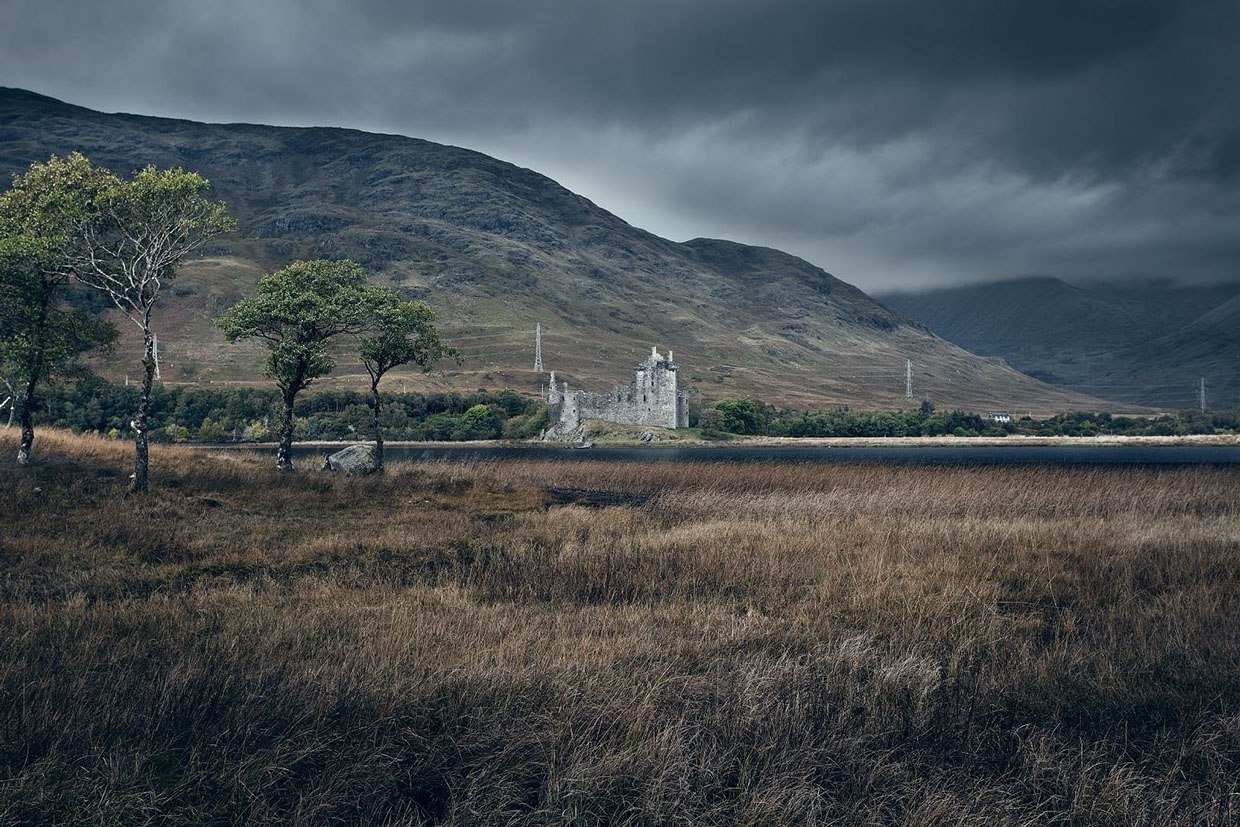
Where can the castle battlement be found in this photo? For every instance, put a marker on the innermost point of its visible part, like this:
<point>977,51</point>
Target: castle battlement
<point>651,398</point>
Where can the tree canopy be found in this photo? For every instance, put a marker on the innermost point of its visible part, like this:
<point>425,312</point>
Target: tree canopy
<point>297,312</point>
<point>400,333</point>
<point>126,238</point>
<point>40,335</point>
<point>138,231</point>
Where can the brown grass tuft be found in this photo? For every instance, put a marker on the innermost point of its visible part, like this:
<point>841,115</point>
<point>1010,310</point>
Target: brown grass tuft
<point>751,643</point>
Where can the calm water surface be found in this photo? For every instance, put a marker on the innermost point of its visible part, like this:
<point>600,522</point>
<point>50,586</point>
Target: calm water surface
<point>914,454</point>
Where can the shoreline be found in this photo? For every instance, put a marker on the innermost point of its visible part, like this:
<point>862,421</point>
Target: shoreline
<point>1204,440</point>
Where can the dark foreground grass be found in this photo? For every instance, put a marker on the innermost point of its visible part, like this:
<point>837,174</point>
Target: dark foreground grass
<point>681,644</point>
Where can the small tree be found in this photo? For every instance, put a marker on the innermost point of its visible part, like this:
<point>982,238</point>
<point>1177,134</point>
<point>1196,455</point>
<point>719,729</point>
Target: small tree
<point>743,416</point>
<point>131,238</point>
<point>297,312</point>
<point>39,336</point>
<point>479,422</point>
<point>401,333</point>
<point>711,420</point>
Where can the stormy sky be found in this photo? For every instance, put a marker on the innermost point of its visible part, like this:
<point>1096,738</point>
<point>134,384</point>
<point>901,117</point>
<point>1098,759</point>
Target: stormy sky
<point>896,143</point>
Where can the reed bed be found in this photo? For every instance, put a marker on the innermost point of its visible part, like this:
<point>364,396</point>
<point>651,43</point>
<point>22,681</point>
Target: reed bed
<point>592,643</point>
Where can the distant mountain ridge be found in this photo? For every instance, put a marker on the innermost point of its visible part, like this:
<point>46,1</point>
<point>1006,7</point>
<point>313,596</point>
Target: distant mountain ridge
<point>496,248</point>
<point>1146,343</point>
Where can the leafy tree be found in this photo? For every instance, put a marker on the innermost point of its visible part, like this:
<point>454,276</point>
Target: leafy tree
<point>211,431</point>
<point>401,333</point>
<point>712,420</point>
<point>526,425</point>
<point>39,335</point>
<point>935,425</point>
<point>130,236</point>
<point>479,422</point>
<point>176,432</point>
<point>743,416</point>
<point>297,312</point>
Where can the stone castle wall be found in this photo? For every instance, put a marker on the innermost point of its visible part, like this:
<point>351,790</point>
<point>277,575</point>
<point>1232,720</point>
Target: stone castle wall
<point>651,398</point>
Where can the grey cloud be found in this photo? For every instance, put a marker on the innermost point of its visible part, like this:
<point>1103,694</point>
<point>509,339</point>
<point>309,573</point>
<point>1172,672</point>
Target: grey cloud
<point>890,141</point>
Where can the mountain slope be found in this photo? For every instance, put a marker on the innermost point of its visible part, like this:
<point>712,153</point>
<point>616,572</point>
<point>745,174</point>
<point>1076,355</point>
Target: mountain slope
<point>1207,348</point>
<point>1145,343</point>
<point>497,248</point>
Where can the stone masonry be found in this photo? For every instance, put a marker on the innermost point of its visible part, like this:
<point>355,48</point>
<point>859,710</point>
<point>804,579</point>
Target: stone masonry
<point>652,398</point>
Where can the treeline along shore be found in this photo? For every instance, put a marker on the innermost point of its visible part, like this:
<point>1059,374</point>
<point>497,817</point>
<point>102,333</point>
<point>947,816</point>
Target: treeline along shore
<point>220,414</point>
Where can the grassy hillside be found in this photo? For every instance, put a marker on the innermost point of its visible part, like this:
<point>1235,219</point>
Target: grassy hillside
<point>497,249</point>
<point>748,644</point>
<point>1144,343</point>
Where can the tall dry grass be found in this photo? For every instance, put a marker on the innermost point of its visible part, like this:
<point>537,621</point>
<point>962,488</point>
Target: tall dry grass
<point>595,643</point>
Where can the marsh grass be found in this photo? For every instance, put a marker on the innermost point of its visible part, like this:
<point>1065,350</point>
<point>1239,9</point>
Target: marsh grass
<point>680,643</point>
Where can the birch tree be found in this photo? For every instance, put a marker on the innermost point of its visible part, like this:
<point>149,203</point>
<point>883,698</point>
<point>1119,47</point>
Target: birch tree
<point>39,335</point>
<point>9,402</point>
<point>131,240</point>
<point>297,312</point>
<point>401,333</point>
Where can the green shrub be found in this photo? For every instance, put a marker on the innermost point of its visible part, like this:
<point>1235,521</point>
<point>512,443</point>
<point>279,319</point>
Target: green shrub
<point>210,431</point>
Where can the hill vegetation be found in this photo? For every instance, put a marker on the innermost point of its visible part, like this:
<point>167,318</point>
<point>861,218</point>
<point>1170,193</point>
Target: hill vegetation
<point>498,248</point>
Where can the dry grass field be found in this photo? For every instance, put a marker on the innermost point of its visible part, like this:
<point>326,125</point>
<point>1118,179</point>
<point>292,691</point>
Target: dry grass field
<point>585,643</point>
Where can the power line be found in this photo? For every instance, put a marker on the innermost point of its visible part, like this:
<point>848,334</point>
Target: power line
<point>480,336</point>
<point>1150,384</point>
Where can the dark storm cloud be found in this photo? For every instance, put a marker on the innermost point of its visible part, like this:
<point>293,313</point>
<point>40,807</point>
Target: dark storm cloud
<point>891,141</point>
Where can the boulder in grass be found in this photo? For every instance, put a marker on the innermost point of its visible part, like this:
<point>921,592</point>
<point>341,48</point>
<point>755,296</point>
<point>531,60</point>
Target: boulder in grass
<point>355,460</point>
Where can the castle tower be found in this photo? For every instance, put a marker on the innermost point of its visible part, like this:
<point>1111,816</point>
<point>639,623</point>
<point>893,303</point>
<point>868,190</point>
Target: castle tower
<point>652,398</point>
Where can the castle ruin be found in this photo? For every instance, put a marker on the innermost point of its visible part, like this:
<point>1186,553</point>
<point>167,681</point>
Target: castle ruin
<point>651,398</point>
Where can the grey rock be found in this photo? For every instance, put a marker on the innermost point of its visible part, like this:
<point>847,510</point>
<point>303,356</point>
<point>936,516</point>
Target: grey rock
<point>355,460</point>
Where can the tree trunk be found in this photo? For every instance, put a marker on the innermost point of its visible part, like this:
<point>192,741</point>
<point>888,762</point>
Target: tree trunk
<point>27,442</point>
<point>376,404</point>
<point>34,369</point>
<point>12,403</point>
<point>141,445</point>
<point>284,454</point>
